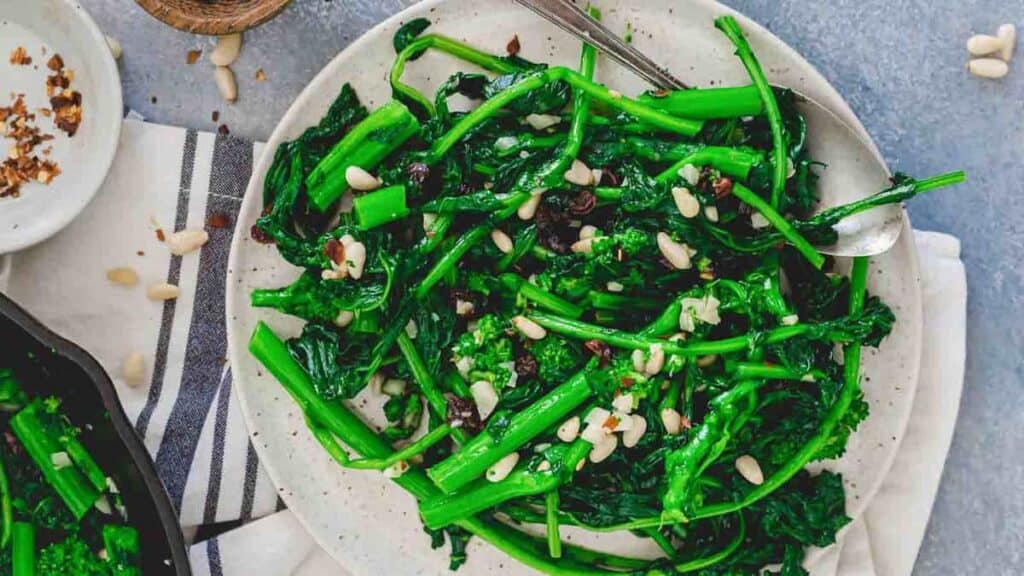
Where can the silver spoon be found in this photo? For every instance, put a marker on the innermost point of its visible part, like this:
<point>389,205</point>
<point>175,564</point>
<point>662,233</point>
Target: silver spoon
<point>854,171</point>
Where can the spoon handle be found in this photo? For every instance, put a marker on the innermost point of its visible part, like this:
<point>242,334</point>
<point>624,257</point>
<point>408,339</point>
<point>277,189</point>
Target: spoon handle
<point>572,19</point>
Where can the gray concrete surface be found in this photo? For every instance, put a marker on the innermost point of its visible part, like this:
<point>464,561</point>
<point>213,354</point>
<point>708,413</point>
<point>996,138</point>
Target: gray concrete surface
<point>899,64</point>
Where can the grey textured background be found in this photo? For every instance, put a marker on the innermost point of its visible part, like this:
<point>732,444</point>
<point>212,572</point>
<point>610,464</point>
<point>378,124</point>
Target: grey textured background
<point>899,64</point>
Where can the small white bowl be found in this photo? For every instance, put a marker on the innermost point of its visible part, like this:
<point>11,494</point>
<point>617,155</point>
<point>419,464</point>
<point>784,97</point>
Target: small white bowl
<point>62,27</point>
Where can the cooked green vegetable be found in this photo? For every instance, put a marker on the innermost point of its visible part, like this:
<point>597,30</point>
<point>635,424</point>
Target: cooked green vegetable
<point>585,310</point>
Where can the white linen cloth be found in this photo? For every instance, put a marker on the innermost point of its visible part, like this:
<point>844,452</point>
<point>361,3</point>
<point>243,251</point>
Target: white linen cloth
<point>171,179</point>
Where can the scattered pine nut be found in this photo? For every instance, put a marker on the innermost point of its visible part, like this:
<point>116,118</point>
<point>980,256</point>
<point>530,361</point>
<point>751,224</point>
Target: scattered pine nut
<point>184,241</point>
<point>393,387</point>
<point>502,468</point>
<point>226,83</point>
<point>355,258</point>
<point>603,449</point>
<point>588,232</point>
<point>569,429</point>
<point>133,369</point>
<point>631,437</point>
<point>344,318</point>
<point>396,470</point>
<point>1007,35</point>
<point>676,254</point>
<point>115,47</point>
<point>711,213</point>
<point>672,420</point>
<point>584,246</point>
<point>529,328</point>
<point>359,179</point>
<point>983,44</point>
<point>162,291</point>
<point>124,276</point>
<point>542,121</point>
<point>579,174</point>
<point>686,203</point>
<point>485,397</point>
<point>227,50</point>
<point>690,173</point>
<point>655,361</point>
<point>750,469</point>
<point>991,68</point>
<point>502,241</point>
<point>527,210</point>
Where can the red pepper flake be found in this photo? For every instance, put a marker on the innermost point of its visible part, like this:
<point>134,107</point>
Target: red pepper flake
<point>722,187</point>
<point>218,220</point>
<point>55,63</point>
<point>659,93</point>
<point>513,46</point>
<point>628,382</point>
<point>610,423</point>
<point>215,116</point>
<point>20,57</point>
<point>335,251</point>
<point>160,235</point>
<point>223,130</point>
<point>193,56</point>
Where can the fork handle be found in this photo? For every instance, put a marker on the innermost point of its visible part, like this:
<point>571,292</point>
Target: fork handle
<point>575,21</point>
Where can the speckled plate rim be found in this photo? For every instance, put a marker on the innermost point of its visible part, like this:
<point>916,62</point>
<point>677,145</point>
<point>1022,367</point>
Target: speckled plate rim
<point>810,82</point>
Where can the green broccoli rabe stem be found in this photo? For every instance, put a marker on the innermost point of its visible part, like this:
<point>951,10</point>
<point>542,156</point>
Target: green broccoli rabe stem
<point>450,46</point>
<point>551,503</point>
<point>525,243</point>
<point>584,331</point>
<point>23,549</point>
<point>684,465</point>
<point>428,385</point>
<point>330,444</point>
<point>850,391</point>
<point>451,258</point>
<point>729,27</point>
<point>708,103</point>
<point>380,207</point>
<point>81,458</point>
<point>682,567</point>
<point>542,78</point>
<point>365,146</point>
<point>661,540</point>
<point>484,494</point>
<point>485,449</point>
<point>781,225</point>
<point>269,350</point>
<point>6,509</point>
<point>611,301</point>
<point>123,550</point>
<point>541,297</point>
<point>69,482</point>
<point>750,370</point>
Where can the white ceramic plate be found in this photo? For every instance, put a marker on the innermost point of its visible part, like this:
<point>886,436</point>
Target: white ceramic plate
<point>369,525</point>
<point>63,27</point>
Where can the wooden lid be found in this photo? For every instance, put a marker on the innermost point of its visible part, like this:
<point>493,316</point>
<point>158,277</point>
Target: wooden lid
<point>214,17</point>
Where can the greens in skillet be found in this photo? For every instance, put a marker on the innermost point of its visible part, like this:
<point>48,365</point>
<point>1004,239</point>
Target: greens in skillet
<point>584,309</point>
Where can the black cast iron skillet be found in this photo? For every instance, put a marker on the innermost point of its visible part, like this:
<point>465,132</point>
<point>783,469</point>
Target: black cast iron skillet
<point>46,365</point>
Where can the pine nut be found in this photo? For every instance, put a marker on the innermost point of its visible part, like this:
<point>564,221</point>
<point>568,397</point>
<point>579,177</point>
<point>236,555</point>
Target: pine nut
<point>355,259</point>
<point>603,449</point>
<point>412,330</point>
<point>990,68</point>
<point>790,320</point>
<point>750,469</point>
<point>542,121</point>
<point>502,468</point>
<point>588,232</point>
<point>579,174</point>
<point>529,328</point>
<point>690,173</point>
<point>585,246</point>
<point>162,291</point>
<point>485,397</point>
<point>632,436</point>
<point>464,308</point>
<point>359,179</point>
<point>1007,35</point>
<point>614,286</point>
<point>655,361</point>
<point>569,429</point>
<point>639,361</point>
<point>615,94</point>
<point>115,47</point>
<point>60,460</point>
<point>623,402</point>
<point>428,221</point>
<point>344,318</point>
<point>186,241</point>
<point>225,79</point>
<point>758,221</point>
<point>502,241</point>
<point>124,276</point>
<point>133,369</point>
<point>676,254</point>
<point>983,44</point>
<point>505,143</point>
<point>711,213</point>
<point>376,382</point>
<point>672,420</point>
<point>686,202</point>
<point>227,50</point>
<point>580,464</point>
<point>393,387</point>
<point>594,433</point>
<point>527,210</point>
<point>790,168</point>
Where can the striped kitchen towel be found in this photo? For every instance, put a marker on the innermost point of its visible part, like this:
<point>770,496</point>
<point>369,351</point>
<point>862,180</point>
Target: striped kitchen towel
<point>163,179</point>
